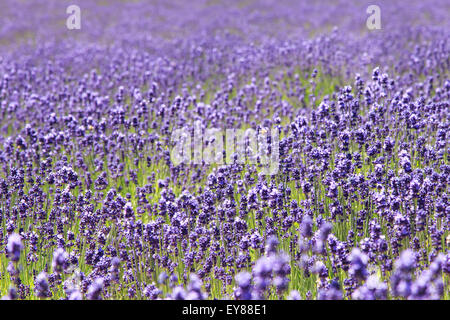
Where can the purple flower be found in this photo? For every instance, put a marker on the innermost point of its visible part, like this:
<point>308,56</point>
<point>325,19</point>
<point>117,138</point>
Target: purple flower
<point>178,293</point>
<point>41,287</point>
<point>195,288</point>
<point>358,265</point>
<point>243,281</point>
<point>294,295</point>
<point>76,295</point>
<point>95,289</point>
<point>11,295</point>
<point>59,262</point>
<point>401,279</point>
<point>14,247</point>
<point>373,289</point>
<point>406,262</point>
<point>306,227</point>
<point>333,292</point>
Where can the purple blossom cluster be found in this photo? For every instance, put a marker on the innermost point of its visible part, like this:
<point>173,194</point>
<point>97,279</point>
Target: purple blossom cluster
<point>92,207</point>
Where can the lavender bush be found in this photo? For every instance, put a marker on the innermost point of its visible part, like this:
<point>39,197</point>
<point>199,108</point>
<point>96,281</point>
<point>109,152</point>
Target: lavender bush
<point>92,207</point>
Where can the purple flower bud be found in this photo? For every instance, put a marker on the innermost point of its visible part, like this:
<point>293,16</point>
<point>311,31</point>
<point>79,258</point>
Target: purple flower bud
<point>358,264</point>
<point>178,293</point>
<point>306,227</point>
<point>59,262</point>
<point>76,295</point>
<point>95,289</point>
<point>14,247</point>
<point>41,287</point>
<point>294,295</point>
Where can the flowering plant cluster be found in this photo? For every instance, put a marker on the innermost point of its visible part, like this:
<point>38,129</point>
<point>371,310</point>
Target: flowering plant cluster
<point>93,207</point>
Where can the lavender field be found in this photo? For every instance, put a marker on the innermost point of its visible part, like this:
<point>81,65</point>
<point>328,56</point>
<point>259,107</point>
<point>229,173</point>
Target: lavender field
<point>94,205</point>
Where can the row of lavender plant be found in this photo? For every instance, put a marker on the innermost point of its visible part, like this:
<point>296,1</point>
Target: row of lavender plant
<point>92,207</point>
